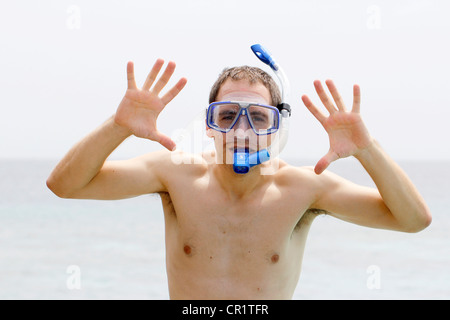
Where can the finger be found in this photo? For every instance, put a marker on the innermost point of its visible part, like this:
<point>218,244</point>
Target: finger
<point>172,93</point>
<point>336,96</point>
<point>164,78</point>
<point>325,161</point>
<point>153,74</point>
<point>312,108</point>
<point>130,75</point>
<point>356,99</point>
<point>324,97</point>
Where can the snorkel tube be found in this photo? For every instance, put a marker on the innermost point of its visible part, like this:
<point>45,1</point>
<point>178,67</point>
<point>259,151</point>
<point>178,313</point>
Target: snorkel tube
<point>243,160</point>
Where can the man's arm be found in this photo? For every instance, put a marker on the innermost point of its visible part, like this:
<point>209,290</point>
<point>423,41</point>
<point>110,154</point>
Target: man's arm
<point>396,189</point>
<point>84,172</point>
<point>395,205</point>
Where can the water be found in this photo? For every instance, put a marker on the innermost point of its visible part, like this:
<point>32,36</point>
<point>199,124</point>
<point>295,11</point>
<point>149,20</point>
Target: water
<point>118,246</point>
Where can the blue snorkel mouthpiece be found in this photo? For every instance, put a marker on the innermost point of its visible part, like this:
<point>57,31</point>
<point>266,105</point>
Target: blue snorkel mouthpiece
<point>241,163</point>
<point>243,160</point>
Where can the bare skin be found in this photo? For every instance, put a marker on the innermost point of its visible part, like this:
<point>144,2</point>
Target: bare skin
<point>232,236</point>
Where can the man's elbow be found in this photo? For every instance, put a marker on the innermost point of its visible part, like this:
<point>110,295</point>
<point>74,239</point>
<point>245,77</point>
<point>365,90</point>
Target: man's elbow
<point>56,188</point>
<point>422,221</point>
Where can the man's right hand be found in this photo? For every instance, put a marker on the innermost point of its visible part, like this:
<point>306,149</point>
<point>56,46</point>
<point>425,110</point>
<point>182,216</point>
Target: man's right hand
<point>140,108</point>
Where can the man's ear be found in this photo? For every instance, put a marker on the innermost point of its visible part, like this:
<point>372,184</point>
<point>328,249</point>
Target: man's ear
<point>209,132</point>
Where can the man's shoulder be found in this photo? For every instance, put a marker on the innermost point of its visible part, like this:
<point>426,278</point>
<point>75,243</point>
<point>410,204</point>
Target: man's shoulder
<point>305,176</point>
<point>173,159</point>
<point>177,162</point>
<point>289,172</point>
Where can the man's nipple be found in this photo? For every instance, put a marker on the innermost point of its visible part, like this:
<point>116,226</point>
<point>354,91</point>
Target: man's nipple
<point>187,250</point>
<point>275,258</point>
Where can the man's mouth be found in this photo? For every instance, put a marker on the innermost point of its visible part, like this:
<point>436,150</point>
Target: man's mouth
<point>245,148</point>
<point>243,144</point>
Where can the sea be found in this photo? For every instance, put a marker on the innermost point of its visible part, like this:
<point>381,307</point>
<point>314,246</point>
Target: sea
<point>52,248</point>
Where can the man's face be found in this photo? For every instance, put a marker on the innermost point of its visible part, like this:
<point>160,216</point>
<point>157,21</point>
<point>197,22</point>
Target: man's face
<point>242,135</point>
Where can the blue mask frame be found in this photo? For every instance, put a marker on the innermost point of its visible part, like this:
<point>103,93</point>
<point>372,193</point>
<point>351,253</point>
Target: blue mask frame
<point>242,112</point>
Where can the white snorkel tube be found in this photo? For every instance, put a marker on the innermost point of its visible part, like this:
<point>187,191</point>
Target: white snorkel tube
<point>243,161</point>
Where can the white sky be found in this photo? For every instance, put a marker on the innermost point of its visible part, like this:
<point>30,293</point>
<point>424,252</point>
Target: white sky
<point>63,66</point>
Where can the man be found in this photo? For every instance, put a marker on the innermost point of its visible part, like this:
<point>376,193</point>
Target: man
<point>238,236</point>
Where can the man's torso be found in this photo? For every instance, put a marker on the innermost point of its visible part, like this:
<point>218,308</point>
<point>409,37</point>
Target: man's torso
<point>220,247</point>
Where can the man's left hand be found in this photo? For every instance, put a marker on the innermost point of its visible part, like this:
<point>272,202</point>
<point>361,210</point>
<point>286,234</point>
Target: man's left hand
<point>346,131</point>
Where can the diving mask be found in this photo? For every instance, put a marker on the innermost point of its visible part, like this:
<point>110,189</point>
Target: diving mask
<point>224,115</point>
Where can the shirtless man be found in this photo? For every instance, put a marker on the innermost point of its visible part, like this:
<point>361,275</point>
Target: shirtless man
<point>228,235</point>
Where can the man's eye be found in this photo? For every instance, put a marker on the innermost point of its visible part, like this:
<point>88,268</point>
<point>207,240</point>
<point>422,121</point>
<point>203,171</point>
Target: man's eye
<point>259,117</point>
<point>228,116</point>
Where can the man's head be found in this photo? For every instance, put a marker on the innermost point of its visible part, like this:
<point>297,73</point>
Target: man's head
<point>245,84</point>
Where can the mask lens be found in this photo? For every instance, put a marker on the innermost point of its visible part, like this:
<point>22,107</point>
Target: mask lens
<point>223,116</point>
<point>264,120</point>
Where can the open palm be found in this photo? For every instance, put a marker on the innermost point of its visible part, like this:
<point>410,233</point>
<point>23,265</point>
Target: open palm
<point>140,108</point>
<point>346,131</point>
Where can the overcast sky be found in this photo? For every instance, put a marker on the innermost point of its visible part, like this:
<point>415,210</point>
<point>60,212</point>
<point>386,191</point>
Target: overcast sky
<point>63,66</point>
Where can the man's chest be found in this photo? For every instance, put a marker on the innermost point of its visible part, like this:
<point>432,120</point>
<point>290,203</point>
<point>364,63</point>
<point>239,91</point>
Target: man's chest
<point>209,214</point>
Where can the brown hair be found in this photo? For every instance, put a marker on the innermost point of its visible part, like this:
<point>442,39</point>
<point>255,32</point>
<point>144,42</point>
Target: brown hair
<point>253,75</point>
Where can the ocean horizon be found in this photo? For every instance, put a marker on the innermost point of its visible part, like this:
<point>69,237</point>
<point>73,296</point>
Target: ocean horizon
<point>52,248</point>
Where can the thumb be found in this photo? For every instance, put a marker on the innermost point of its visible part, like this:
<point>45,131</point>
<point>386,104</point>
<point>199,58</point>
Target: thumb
<point>164,140</point>
<point>325,161</point>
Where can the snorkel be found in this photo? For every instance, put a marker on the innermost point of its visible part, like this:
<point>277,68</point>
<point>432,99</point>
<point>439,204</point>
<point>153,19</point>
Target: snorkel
<point>243,160</point>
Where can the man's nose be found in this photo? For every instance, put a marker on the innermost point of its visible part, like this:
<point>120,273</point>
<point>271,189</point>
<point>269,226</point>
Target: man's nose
<point>242,123</point>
